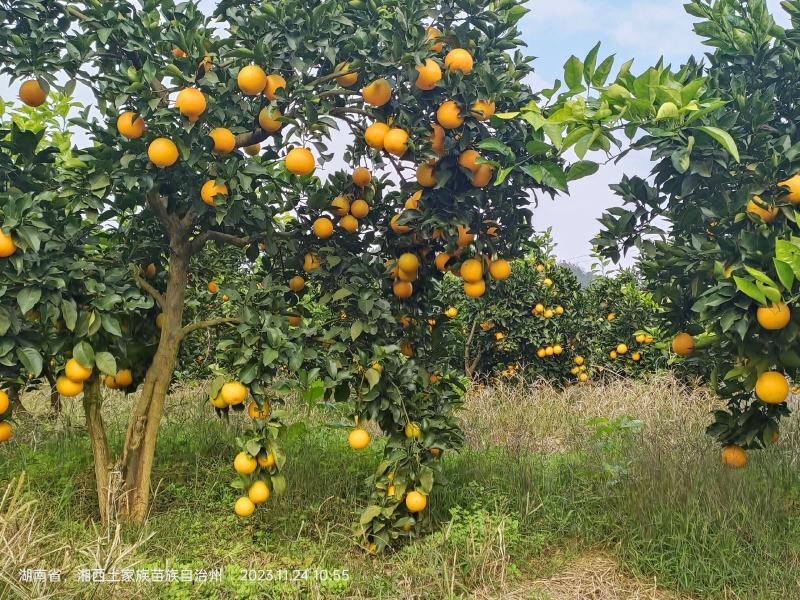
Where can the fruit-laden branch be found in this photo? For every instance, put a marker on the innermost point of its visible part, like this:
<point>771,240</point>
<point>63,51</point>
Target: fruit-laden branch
<point>218,236</point>
<point>251,137</point>
<point>208,324</point>
<point>142,283</point>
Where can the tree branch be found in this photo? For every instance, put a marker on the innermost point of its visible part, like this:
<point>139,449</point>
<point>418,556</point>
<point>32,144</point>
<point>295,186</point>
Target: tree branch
<point>158,204</point>
<point>218,236</point>
<point>210,323</point>
<point>142,283</point>
<point>468,368</point>
<point>251,137</point>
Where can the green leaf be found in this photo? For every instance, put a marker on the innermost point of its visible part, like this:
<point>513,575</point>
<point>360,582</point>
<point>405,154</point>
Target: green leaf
<point>750,288</point>
<point>106,362</point>
<point>341,293</point>
<point>724,138</point>
<point>373,377</point>
<point>31,360</point>
<point>582,168</point>
<point>355,329</point>
<point>27,298</point>
<point>369,513</point>
<point>69,310</point>
<point>279,484</point>
<point>494,145</point>
<point>785,273</point>
<point>84,354</point>
<point>573,72</point>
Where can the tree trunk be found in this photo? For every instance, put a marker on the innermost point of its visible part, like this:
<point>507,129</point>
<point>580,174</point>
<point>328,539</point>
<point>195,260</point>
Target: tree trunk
<point>92,405</point>
<point>140,440</point>
<point>55,397</point>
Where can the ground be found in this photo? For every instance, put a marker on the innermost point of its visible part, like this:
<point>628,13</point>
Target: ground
<point>599,492</point>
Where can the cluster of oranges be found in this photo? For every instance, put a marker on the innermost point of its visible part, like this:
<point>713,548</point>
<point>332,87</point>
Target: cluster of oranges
<point>510,370</point>
<point>547,313</point>
<point>579,370</point>
<point>546,351</point>
<point>253,469</point>
<point>5,426</point>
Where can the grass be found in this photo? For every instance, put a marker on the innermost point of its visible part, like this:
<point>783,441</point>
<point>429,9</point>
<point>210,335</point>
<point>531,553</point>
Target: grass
<point>553,487</point>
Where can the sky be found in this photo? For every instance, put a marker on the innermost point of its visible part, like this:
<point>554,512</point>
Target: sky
<point>644,30</point>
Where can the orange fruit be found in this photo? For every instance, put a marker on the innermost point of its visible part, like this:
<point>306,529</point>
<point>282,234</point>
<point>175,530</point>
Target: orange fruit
<point>682,344</point>
<point>76,372</point>
<point>757,207</point>
<point>294,320</point>
<point>476,289</point>
<point>425,176</point>
<point>345,79</point>
<point>31,93</point>
<point>224,140</point>
<point>403,289</point>
<point>434,35</point>
<point>416,502</point>
<point>437,139</point>
<point>162,152</point>
<point>413,202</point>
<point>266,461</point>
<point>449,115</point>
<point>233,393</point>
<point>362,177</point>
<point>428,74</point>
<point>482,110</point>
<point>244,507</point>
<point>244,464</point>
<point>341,206</point>
<point>251,80</point>
<point>275,82</point>
<point>300,161</point>
<point>7,245</point>
<point>408,262</point>
<point>459,59</point>
<point>258,492</point>
<point>622,349</point>
<point>4,402</point>
<point>636,357</point>
<point>5,431</point>
<point>151,270</point>
<point>178,53</point>
<point>358,439</point>
<point>68,388</point>
<point>413,430</point>
<point>349,223</point>
<point>772,387</point>
<point>397,227</point>
<point>792,185</point>
<point>322,228</point>
<point>441,261</point>
<point>310,262</point>
<point>774,317</point>
<point>465,238</point>
<point>130,125</point>
<point>359,209</point>
<point>212,189</point>
<point>191,102</point>
<point>734,457</point>
<point>468,159</point>
<point>213,287</point>
<point>268,119</point>
<point>396,142</point>
<point>472,270</point>
<point>377,93</point>
<point>256,413</point>
<point>500,269</point>
<point>123,378</point>
<point>297,283</point>
<point>375,135</point>
<point>482,176</point>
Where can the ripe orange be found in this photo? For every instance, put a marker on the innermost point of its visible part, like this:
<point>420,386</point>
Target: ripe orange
<point>68,388</point>
<point>76,372</point>
<point>413,202</point>
<point>377,93</point>
<point>211,189</point>
<point>255,413</point>
<point>472,270</point>
<point>465,238</point>
<point>294,320</point>
<point>31,93</point>
<point>297,283</point>
<point>482,176</point>
<point>233,393</point>
<point>482,110</point>
<point>162,152</point>
<point>613,355</point>
<point>212,287</point>
<point>4,402</point>
<point>425,176</point>
<point>396,141</point>
<point>734,457</point>
<point>251,80</point>
<point>300,161</point>
<point>451,313</point>
<point>406,349</point>
<point>558,349</point>
<point>432,35</point>
<point>413,430</point>
<point>682,344</point>
<point>437,139</point>
<point>358,439</point>
<point>428,74</point>
<point>359,209</point>
<point>224,140</point>
<point>268,119</point>
<point>178,53</point>
<point>449,115</point>
<point>244,507</point>
<point>459,59</point>
<point>191,102</point>
<point>774,317</point>
<point>7,245</point>
<point>275,82</point>
<point>772,387</point>
<point>375,135</point>
<point>405,275</point>
<point>349,223</point>
<point>341,206</point>
<point>130,125</point>
<point>468,159</point>
<point>500,269</point>
<point>252,149</point>
<point>757,207</point>
<point>583,378</point>
<point>244,464</point>
<point>549,313</point>
<point>635,356</point>
<point>398,228</point>
<point>792,185</point>
<point>362,177</point>
<point>151,270</point>
<point>403,289</point>
<point>476,289</point>
<point>123,378</point>
<point>441,261</point>
<point>416,502</point>
<point>217,402</point>
<point>5,431</point>
<point>622,349</point>
<point>266,461</point>
<point>345,79</point>
<point>322,228</point>
<point>579,360</point>
<point>310,262</point>
<point>408,262</point>
<point>258,492</point>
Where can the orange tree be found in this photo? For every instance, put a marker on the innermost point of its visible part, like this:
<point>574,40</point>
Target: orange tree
<point>211,139</point>
<point>724,269</point>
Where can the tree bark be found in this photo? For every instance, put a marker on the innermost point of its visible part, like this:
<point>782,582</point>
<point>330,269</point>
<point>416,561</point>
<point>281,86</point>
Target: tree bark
<point>55,397</point>
<point>92,406</point>
<point>140,440</point>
